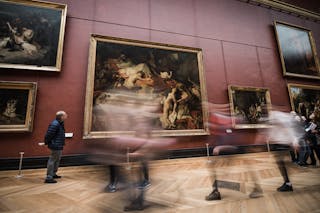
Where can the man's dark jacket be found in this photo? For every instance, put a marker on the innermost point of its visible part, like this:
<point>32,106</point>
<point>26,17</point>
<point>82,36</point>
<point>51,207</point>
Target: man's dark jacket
<point>55,136</point>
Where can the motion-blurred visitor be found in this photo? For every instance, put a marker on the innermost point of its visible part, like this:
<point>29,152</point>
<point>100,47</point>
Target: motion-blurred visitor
<point>131,117</point>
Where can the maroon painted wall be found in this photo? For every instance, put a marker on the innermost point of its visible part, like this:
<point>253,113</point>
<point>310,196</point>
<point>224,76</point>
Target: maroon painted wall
<point>238,44</point>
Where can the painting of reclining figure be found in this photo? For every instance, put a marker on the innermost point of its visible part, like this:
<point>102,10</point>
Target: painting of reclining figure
<point>250,107</point>
<point>172,74</point>
<point>31,34</point>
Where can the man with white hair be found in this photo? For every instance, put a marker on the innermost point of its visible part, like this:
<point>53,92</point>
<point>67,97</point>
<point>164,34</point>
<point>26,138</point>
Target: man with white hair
<point>55,139</point>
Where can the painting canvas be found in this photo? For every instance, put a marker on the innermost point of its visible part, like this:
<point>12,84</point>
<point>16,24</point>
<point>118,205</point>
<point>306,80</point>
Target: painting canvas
<point>173,74</point>
<point>297,51</point>
<point>250,107</point>
<point>305,99</point>
<point>31,34</point>
<point>17,103</point>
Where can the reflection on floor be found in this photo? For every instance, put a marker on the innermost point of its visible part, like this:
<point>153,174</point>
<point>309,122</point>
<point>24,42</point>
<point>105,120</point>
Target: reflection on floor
<point>178,185</point>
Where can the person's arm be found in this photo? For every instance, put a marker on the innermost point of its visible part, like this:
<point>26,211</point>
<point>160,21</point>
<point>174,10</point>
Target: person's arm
<point>11,29</point>
<point>51,132</point>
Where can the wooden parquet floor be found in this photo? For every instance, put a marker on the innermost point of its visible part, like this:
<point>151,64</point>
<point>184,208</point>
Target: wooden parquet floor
<point>178,185</point>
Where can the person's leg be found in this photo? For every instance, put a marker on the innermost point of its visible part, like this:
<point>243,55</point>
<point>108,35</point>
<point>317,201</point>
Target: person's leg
<point>111,187</point>
<point>312,157</point>
<point>145,170</point>
<point>137,204</point>
<point>50,166</point>
<point>215,194</point>
<point>257,190</point>
<point>283,170</point>
<point>317,150</point>
<point>215,185</point>
<point>137,195</point>
<point>113,174</point>
<point>308,153</point>
<point>294,157</point>
<point>298,156</point>
<point>145,175</point>
<point>286,186</point>
<point>57,162</point>
<point>303,154</point>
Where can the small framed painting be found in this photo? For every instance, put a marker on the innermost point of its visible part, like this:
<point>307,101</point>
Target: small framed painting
<point>250,107</point>
<point>305,99</point>
<point>17,105</point>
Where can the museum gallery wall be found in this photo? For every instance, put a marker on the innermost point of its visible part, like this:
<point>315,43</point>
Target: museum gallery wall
<point>246,54</point>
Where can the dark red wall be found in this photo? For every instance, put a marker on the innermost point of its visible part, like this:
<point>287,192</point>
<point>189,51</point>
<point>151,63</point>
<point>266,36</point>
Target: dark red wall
<point>238,44</point>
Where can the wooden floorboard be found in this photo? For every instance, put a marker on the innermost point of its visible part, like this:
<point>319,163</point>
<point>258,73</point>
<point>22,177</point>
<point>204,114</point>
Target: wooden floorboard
<point>178,185</point>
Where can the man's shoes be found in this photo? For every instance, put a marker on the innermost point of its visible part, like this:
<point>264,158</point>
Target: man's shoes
<point>56,176</point>
<point>303,164</point>
<point>295,161</point>
<point>133,207</point>
<point>285,188</point>
<point>144,184</point>
<point>214,195</point>
<point>50,181</point>
<point>111,188</point>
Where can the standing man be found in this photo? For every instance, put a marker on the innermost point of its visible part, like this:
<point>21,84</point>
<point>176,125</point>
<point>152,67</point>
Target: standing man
<point>55,139</point>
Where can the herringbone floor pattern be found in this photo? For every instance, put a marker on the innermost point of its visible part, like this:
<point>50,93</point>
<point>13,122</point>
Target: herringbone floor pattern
<point>178,185</point>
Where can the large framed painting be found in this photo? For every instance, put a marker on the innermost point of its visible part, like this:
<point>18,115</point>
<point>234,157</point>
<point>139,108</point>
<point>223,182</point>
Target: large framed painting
<point>17,105</point>
<point>305,99</point>
<point>250,107</point>
<point>31,34</point>
<point>297,51</point>
<point>173,74</point>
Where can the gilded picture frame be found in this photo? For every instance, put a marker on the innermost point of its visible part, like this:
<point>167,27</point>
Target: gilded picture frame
<point>250,107</point>
<point>17,106</point>
<point>32,34</point>
<point>297,51</point>
<point>304,99</point>
<point>117,63</point>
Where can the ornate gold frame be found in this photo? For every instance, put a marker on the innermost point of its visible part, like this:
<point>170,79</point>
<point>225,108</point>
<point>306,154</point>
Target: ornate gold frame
<point>284,7</point>
<point>301,86</point>
<point>88,133</point>
<point>313,47</point>
<point>231,90</point>
<point>46,5</point>
<point>32,88</point>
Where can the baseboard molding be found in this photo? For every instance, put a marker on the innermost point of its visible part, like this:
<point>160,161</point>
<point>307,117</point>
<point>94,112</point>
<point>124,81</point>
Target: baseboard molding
<point>78,160</point>
<point>200,152</point>
<point>41,162</point>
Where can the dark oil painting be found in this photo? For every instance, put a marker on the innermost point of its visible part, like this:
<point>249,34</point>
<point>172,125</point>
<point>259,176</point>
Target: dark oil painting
<point>305,100</point>
<point>174,75</point>
<point>297,51</point>
<point>13,106</point>
<point>30,35</point>
<point>249,106</point>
